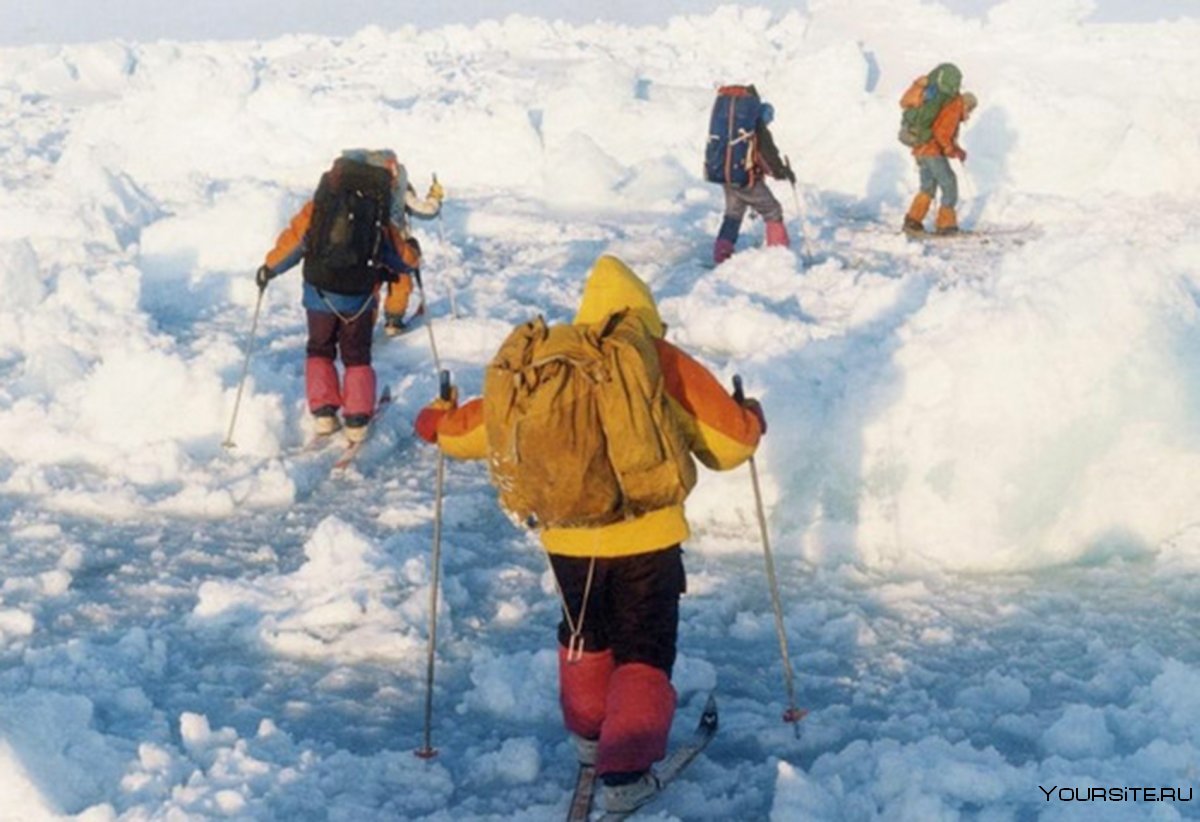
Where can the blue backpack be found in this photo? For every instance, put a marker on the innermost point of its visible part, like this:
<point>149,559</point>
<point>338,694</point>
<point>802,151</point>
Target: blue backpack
<point>729,157</point>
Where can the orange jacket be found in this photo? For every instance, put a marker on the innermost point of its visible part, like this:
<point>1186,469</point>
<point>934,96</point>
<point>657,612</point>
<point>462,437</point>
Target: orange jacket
<point>289,247</point>
<point>944,142</point>
<point>719,432</point>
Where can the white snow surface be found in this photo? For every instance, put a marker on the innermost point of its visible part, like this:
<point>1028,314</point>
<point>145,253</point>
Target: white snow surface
<point>980,475</point>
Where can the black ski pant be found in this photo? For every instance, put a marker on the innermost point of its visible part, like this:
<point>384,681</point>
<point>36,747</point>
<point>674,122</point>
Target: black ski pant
<point>632,604</point>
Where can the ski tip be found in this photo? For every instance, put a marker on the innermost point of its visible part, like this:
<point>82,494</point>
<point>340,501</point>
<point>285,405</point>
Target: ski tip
<point>425,753</point>
<point>708,718</point>
<point>794,715</point>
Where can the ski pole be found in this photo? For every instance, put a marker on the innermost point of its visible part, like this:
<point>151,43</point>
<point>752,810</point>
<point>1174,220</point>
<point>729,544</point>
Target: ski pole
<point>416,275</point>
<point>792,714</point>
<point>229,443</point>
<point>971,193</point>
<point>427,751</point>
<point>806,248</point>
<point>441,230</point>
<point>442,243</point>
<point>437,362</point>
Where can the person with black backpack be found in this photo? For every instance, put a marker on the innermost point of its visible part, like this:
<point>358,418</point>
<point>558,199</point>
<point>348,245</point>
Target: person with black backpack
<point>589,429</point>
<point>739,154</point>
<point>351,237</point>
<point>933,110</point>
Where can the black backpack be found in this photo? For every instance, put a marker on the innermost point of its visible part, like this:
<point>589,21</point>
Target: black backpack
<point>345,237</point>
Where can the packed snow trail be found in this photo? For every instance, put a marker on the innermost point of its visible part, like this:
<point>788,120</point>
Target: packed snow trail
<point>979,678</point>
<point>278,651</point>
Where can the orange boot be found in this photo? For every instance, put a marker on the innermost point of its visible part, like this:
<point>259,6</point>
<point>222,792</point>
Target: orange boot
<point>396,304</point>
<point>917,211</point>
<point>947,223</point>
<point>583,690</point>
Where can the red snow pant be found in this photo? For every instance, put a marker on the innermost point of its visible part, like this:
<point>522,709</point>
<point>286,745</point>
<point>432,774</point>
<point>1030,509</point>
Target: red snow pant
<point>327,335</point>
<point>618,689</point>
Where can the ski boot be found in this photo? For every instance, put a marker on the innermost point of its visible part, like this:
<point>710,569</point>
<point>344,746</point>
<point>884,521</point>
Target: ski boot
<point>393,324</point>
<point>325,420</point>
<point>629,796</point>
<point>356,427</point>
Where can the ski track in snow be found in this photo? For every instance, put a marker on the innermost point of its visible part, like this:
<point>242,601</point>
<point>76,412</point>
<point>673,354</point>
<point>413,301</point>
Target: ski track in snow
<point>980,496</point>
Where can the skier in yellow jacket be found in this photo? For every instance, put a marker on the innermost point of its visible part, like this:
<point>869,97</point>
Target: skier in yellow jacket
<point>616,694</point>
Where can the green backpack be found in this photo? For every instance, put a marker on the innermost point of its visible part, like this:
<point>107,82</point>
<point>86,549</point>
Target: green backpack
<point>916,122</point>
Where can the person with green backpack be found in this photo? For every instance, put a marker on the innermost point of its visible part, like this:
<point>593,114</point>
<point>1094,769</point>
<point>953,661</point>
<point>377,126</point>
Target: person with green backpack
<point>934,109</point>
<point>590,429</point>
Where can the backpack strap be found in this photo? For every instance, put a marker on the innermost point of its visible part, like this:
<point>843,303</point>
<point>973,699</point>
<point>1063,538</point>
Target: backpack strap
<point>347,320</point>
<point>575,647</point>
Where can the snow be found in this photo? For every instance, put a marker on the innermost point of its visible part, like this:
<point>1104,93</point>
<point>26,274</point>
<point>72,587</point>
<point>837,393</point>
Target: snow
<point>979,475</point>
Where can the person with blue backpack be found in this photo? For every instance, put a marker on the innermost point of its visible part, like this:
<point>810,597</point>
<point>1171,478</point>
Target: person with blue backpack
<point>739,155</point>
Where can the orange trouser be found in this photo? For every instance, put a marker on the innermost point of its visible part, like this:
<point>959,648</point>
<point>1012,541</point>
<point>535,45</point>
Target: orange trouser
<point>398,292</point>
<point>920,206</point>
<point>946,218</point>
<point>397,296</point>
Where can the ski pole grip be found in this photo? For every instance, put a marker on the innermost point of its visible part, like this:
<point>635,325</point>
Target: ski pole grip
<point>739,396</point>
<point>444,385</point>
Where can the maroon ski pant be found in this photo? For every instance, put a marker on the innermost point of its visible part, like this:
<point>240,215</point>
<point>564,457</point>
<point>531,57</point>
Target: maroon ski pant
<point>329,335</point>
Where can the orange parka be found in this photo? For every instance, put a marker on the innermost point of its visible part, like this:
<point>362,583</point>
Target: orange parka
<point>944,142</point>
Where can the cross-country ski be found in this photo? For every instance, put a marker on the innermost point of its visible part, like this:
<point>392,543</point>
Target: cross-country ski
<point>677,760</point>
<point>354,447</point>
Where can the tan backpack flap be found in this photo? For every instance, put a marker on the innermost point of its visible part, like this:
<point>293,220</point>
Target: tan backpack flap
<point>545,438</point>
<point>646,445</point>
<point>500,383</point>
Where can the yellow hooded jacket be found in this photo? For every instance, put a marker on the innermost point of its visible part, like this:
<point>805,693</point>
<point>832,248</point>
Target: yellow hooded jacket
<point>719,432</point>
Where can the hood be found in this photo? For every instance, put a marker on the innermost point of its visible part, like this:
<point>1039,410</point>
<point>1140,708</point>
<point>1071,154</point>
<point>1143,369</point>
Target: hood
<point>612,286</point>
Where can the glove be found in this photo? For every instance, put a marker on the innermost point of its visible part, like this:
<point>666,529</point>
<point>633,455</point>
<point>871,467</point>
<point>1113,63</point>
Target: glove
<point>788,174</point>
<point>263,276</point>
<point>754,407</point>
<point>427,421</point>
<point>436,192</point>
<point>959,154</point>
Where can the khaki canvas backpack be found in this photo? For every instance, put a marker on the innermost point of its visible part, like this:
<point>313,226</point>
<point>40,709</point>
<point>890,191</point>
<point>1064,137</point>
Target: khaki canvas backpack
<point>579,427</point>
